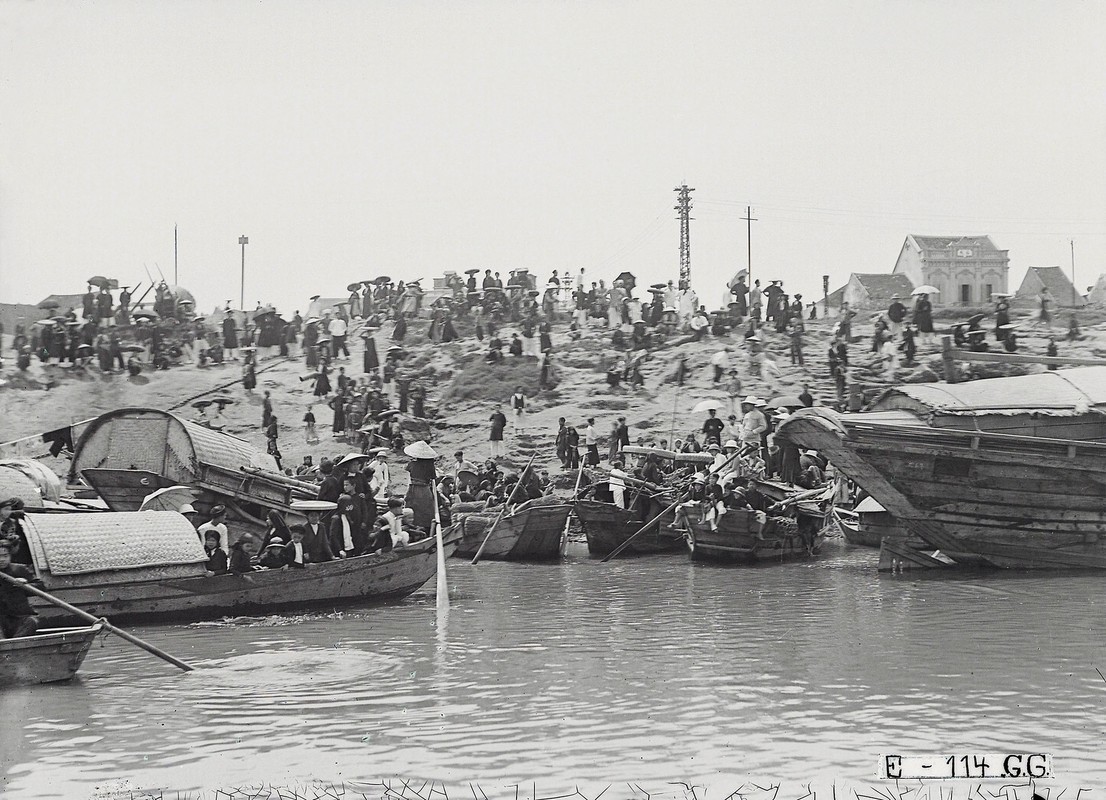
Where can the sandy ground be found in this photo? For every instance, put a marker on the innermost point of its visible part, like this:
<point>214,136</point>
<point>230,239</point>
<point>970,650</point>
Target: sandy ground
<point>659,409</point>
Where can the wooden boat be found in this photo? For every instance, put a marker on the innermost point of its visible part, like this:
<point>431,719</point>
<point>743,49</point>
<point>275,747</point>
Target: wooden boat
<point>51,655</point>
<point>1005,472</point>
<point>129,453</point>
<point>532,532</point>
<point>607,526</point>
<point>150,565</point>
<point>741,536</point>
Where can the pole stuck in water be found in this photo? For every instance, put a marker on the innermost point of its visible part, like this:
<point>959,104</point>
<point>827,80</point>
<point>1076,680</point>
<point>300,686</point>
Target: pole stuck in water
<point>506,505</point>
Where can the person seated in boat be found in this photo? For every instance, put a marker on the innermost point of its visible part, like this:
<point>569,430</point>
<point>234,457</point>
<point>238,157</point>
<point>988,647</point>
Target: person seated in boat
<point>754,497</point>
<point>393,522</point>
<point>217,563</point>
<point>218,524</point>
<point>276,528</point>
<point>959,337</point>
<point>272,557</point>
<point>316,542</point>
<point>11,529</point>
<point>498,496</point>
<point>616,481</point>
<point>294,555</point>
<point>242,555</point>
<point>713,506</point>
<point>343,524</point>
<point>651,470</point>
<point>17,618</point>
<point>696,494</point>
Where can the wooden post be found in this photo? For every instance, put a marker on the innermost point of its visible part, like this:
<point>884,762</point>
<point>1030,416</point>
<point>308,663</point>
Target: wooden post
<point>949,361</point>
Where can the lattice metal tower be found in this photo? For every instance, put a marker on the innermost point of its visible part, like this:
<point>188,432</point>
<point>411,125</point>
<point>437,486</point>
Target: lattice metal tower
<point>683,205</point>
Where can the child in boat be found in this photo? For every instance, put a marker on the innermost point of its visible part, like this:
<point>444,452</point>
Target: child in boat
<point>216,556</point>
<point>241,555</point>
<point>272,557</point>
<point>393,519</point>
<point>293,552</point>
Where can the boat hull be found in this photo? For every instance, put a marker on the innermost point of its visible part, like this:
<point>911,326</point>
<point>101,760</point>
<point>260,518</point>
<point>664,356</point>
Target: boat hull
<point>532,532</point>
<point>740,537</point>
<point>364,579</point>
<point>981,498</point>
<point>607,527</point>
<point>48,657</point>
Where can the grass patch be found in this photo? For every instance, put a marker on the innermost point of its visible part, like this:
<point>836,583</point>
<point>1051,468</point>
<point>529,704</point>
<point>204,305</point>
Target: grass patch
<point>482,381</point>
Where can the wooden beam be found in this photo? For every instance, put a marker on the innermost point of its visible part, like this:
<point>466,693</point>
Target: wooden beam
<point>1019,358</point>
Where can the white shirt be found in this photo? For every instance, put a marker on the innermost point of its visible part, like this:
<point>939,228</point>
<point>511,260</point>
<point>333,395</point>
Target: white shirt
<point>617,479</point>
<point>400,537</point>
<point>720,359</point>
<point>337,327</point>
<point>221,529</point>
<point>297,547</point>
<point>753,424</point>
<point>589,435</point>
<point>381,481</point>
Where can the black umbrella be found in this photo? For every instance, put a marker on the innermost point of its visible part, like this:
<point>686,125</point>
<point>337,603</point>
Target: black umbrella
<point>353,287</point>
<point>383,279</point>
<point>99,281</point>
<point>628,279</point>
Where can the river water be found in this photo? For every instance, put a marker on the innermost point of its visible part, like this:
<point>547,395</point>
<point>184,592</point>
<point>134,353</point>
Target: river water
<point>645,670</point>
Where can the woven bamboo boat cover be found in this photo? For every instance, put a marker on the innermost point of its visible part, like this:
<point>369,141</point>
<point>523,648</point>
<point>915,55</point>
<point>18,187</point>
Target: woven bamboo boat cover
<point>75,544</point>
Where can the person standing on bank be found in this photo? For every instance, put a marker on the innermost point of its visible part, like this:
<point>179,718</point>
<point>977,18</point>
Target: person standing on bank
<point>591,441</point>
<point>518,406</point>
<point>499,422</point>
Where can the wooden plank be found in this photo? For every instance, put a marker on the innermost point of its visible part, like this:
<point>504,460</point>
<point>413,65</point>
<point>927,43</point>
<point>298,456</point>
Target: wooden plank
<point>1023,358</point>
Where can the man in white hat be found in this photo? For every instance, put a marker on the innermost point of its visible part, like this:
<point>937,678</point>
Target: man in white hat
<point>753,424</point>
<point>381,482</point>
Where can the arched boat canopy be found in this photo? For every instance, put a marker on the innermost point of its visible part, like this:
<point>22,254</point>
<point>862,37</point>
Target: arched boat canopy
<point>162,443</point>
<point>1064,393</point>
<point>132,546</point>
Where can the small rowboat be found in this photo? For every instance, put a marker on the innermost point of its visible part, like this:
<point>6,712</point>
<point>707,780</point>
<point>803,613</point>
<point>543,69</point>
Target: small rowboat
<point>532,532</point>
<point>53,654</point>
<point>607,526</point>
<point>741,537</point>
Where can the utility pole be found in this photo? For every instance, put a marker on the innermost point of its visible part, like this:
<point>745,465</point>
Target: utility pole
<point>243,240</point>
<point>176,281</point>
<point>1074,289</point>
<point>749,220</point>
<point>683,205</point>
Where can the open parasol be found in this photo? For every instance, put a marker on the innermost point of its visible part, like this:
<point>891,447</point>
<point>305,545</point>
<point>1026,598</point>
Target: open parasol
<point>145,315</point>
<point>628,279</point>
<point>383,279</point>
<point>975,319</point>
<point>353,287</point>
<point>784,401</point>
<point>171,498</point>
<point>472,271</point>
<point>201,404</point>
<point>926,289</point>
<point>661,286</point>
<point>708,405</point>
<point>321,342</point>
<point>319,506</point>
<point>223,401</point>
<point>99,281</point>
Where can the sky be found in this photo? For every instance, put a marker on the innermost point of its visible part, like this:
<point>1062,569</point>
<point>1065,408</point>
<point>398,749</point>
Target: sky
<point>353,139</point>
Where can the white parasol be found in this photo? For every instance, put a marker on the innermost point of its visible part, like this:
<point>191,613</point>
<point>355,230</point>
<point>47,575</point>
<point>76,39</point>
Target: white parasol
<point>171,498</point>
<point>926,289</point>
<point>708,405</point>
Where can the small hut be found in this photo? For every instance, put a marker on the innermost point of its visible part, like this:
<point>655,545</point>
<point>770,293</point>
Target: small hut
<point>1037,278</point>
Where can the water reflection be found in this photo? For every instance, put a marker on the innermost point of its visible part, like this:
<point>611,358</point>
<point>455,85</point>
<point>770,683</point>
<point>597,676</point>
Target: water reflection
<point>643,669</point>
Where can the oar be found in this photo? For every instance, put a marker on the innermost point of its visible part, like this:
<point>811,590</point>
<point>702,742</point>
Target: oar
<point>149,648</point>
<point>506,505</point>
<point>657,518</point>
<point>575,493</point>
<point>442,593</point>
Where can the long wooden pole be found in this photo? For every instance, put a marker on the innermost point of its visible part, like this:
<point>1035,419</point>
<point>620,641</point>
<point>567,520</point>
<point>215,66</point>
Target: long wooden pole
<point>575,492</point>
<point>130,637</point>
<point>681,498</point>
<point>442,586</point>
<point>506,505</point>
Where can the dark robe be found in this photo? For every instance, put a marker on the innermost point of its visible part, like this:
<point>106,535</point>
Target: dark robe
<point>420,494</point>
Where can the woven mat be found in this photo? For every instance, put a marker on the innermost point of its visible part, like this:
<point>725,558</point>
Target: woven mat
<point>74,544</point>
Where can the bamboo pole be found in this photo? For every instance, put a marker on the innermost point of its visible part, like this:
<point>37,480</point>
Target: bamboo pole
<point>130,637</point>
